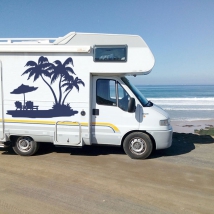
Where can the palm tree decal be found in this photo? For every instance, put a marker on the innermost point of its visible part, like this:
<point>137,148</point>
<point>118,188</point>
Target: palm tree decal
<point>70,83</point>
<point>61,71</point>
<point>51,73</point>
<point>38,70</point>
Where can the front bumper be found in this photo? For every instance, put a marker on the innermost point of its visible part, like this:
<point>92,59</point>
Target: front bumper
<point>163,139</point>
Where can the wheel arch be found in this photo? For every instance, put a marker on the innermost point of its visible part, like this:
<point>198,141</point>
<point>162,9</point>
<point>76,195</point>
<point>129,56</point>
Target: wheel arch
<point>132,131</point>
<point>14,137</point>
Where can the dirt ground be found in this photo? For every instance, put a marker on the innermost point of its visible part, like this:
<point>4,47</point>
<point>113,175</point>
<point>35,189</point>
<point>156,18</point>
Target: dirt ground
<point>105,180</point>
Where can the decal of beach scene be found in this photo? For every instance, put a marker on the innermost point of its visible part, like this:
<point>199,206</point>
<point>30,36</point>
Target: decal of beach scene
<point>49,73</point>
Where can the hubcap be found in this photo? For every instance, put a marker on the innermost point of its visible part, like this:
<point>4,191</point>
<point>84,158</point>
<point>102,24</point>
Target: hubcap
<point>25,144</point>
<point>137,146</point>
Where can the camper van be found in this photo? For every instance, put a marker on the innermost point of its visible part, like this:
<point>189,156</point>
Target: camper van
<point>74,91</point>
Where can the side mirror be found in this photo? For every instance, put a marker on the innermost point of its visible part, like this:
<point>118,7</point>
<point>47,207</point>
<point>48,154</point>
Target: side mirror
<point>131,105</point>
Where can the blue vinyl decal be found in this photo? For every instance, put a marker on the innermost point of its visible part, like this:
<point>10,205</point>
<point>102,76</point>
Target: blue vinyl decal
<point>49,73</point>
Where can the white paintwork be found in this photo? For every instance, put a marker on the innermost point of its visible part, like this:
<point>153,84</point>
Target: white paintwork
<point>26,40</point>
<point>48,49</point>
<point>112,123</point>
<point>140,58</point>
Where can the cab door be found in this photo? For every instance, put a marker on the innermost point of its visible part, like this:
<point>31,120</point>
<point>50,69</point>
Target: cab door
<point>110,116</point>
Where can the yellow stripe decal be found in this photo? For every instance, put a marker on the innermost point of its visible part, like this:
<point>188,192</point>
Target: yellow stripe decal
<point>49,122</point>
<point>106,124</point>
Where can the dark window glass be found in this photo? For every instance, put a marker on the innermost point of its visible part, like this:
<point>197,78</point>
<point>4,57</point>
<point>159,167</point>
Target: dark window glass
<point>106,92</point>
<point>123,98</point>
<point>110,53</point>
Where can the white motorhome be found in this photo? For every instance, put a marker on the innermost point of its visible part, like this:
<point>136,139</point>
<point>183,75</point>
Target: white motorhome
<point>72,91</point>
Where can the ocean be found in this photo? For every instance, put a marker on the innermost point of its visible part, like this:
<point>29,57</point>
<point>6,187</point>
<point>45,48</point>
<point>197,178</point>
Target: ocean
<point>182,102</point>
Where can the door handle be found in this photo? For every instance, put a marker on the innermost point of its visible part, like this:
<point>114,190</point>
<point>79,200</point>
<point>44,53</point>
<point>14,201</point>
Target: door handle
<point>95,111</point>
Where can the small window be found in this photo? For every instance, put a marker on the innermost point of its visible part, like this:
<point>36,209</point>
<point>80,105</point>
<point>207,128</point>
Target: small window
<point>110,53</point>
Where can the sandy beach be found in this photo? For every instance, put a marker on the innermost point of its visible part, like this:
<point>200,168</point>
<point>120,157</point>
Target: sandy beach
<point>105,180</point>
<point>191,126</point>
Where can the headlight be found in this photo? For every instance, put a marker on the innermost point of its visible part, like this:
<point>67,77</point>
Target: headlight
<point>164,122</point>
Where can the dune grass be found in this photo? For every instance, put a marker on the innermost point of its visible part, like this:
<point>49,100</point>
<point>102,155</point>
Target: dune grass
<point>207,131</point>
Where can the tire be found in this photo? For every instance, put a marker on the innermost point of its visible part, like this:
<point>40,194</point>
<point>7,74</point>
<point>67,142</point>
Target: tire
<point>138,145</point>
<point>25,146</point>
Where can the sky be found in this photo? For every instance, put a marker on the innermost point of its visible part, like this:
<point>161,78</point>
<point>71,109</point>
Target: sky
<point>180,33</point>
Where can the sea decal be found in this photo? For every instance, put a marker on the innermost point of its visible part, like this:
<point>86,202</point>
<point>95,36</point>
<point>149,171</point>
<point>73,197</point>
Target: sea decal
<point>49,73</point>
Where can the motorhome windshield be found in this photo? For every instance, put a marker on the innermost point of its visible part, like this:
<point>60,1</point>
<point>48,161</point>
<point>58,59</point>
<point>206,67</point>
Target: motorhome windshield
<point>136,92</point>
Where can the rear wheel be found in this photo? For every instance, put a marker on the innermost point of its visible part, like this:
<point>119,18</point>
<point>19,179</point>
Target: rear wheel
<point>25,146</point>
<point>138,145</point>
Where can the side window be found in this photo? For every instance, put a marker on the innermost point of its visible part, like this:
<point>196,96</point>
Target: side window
<point>123,98</point>
<point>106,92</point>
<point>110,53</point>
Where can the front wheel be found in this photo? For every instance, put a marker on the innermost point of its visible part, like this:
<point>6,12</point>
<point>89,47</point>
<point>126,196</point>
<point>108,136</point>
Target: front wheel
<point>25,146</point>
<point>138,145</point>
